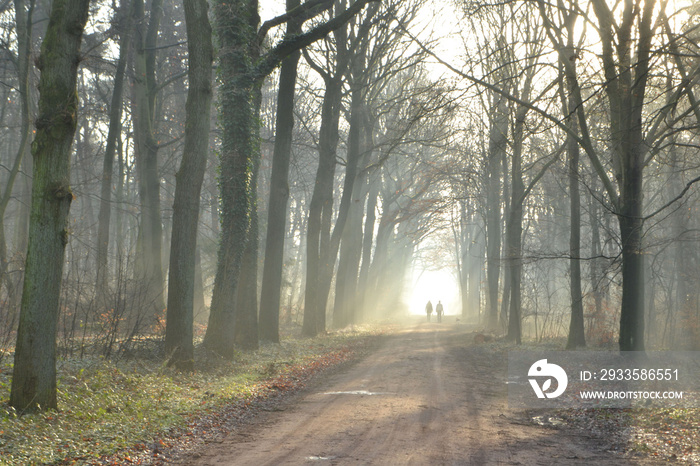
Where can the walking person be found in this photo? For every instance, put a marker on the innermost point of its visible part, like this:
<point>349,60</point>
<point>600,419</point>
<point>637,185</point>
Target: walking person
<point>439,309</point>
<point>429,309</point>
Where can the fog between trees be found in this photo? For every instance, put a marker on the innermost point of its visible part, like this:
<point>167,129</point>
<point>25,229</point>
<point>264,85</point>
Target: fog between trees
<point>299,172</point>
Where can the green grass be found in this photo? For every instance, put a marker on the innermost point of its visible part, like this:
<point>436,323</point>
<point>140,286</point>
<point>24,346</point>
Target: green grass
<point>106,406</point>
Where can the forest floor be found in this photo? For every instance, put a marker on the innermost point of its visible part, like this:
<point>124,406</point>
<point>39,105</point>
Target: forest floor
<point>132,409</point>
<point>429,394</point>
<point>404,393</point>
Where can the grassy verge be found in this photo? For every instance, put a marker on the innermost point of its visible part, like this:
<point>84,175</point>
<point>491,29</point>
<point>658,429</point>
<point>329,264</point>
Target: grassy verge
<point>107,407</point>
<point>661,434</point>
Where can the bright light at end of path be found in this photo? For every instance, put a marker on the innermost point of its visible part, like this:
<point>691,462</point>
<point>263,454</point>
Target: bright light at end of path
<point>434,286</point>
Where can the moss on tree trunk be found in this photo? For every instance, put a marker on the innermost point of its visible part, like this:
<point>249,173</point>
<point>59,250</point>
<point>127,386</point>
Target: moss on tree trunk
<point>34,373</point>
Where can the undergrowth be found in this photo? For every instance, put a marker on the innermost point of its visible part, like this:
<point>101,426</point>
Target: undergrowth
<point>107,406</point>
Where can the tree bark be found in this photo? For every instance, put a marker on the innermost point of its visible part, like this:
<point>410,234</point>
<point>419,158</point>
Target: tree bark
<point>577,334</point>
<point>631,225</point>
<point>359,81</point>
<point>245,324</point>
<point>23,24</point>
<point>626,73</point>
<point>328,262</point>
<point>150,239</point>
<point>34,372</point>
<point>199,305</point>
<point>345,308</point>
<point>320,209</point>
<point>626,90</point>
<point>363,290</point>
<point>243,68</point>
<point>188,186</point>
<point>462,238</point>
<point>514,227</point>
<point>496,151</point>
<point>595,268</point>
<point>350,233</point>
<point>476,257</point>
<point>127,18</point>
<point>279,192</point>
<point>235,22</point>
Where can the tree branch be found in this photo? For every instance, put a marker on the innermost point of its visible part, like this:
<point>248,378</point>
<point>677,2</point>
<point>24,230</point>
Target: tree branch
<point>170,80</point>
<point>677,198</point>
<point>301,13</point>
<point>541,173</point>
<point>274,57</point>
<point>584,141</point>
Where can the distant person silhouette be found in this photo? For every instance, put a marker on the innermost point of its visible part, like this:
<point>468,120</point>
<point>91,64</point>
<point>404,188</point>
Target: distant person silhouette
<point>429,309</point>
<point>439,309</point>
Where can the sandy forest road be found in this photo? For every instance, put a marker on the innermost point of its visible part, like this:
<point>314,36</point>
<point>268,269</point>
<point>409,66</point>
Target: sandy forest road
<point>427,395</point>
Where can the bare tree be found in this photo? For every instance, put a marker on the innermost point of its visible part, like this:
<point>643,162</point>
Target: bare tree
<point>279,191</point>
<point>24,22</point>
<point>124,21</point>
<point>243,68</point>
<point>150,240</point>
<point>180,315</point>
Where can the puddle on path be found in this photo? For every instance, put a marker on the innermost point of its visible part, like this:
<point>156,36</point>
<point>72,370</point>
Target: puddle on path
<point>548,421</point>
<point>357,392</point>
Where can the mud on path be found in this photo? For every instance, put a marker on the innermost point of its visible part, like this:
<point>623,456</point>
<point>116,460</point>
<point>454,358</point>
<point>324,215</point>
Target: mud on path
<point>427,395</point>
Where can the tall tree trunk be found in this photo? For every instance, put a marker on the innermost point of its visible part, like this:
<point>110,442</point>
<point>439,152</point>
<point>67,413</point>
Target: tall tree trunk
<point>199,304</point>
<point>496,151</point>
<point>82,176</point>
<point>625,55</point>
<point>350,232</point>
<point>680,308</point>
<point>23,25</point>
<point>34,372</point>
<point>629,144</point>
<point>22,222</point>
<point>188,185</point>
<point>322,245</point>
<point>477,250</point>
<point>279,192</point>
<point>346,285</point>
<point>329,260</point>
<point>245,324</point>
<point>119,197</point>
<point>577,334</point>
<point>462,239</point>
<point>380,274</point>
<point>367,242</point>
<point>626,90</point>
<point>234,21</point>
<point>595,269</point>
<point>150,241</point>
<point>242,68</point>
<point>514,228</point>
<point>320,209</point>
<point>354,154</point>
<point>296,293</point>
<point>631,224</point>
<point>400,256</point>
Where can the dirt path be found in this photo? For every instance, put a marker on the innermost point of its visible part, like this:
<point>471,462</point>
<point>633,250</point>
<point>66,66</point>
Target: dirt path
<point>428,395</point>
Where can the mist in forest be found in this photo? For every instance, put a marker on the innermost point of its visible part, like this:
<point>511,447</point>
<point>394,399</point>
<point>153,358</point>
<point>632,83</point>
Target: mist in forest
<point>345,163</point>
